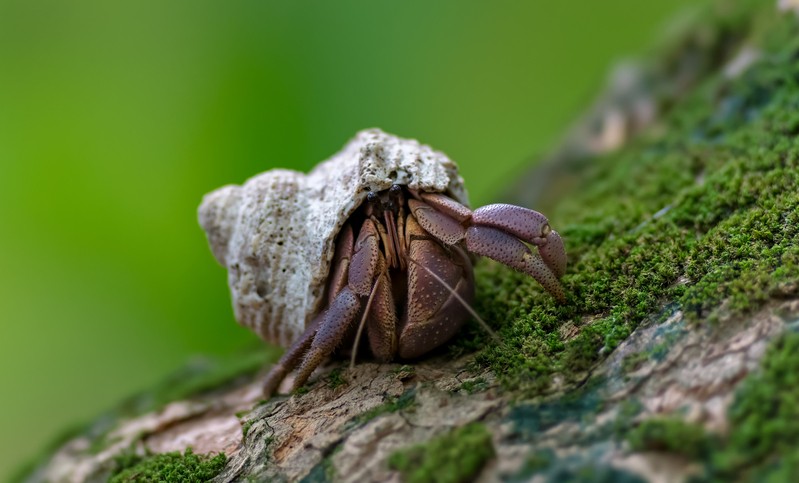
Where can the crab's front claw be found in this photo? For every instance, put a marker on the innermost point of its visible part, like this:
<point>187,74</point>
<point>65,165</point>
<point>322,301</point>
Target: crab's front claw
<point>524,223</point>
<point>554,253</point>
<point>497,231</point>
<point>504,248</point>
<point>527,225</point>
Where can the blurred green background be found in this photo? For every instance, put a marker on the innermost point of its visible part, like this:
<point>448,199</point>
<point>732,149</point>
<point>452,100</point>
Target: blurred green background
<point>116,117</point>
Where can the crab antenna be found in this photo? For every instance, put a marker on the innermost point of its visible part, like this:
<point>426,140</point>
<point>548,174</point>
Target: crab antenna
<point>465,304</point>
<point>363,322</point>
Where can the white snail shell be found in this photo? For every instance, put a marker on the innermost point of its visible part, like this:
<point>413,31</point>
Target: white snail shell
<point>275,234</point>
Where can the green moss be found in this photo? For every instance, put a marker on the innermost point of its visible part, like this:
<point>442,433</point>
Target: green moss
<point>404,372</point>
<point>245,427</point>
<point>634,361</point>
<point>764,425</point>
<point>451,458</point>
<point>591,473</point>
<point>657,349</point>
<point>406,401</point>
<point>168,467</point>
<point>764,419</point>
<point>703,212</point>
<point>301,390</point>
<point>671,435</point>
<point>628,410</point>
<point>474,385</point>
<point>336,378</point>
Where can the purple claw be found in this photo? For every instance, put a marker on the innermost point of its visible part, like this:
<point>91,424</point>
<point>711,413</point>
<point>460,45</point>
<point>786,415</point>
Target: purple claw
<point>447,205</point>
<point>554,253</point>
<point>504,248</point>
<point>524,223</point>
<point>441,226</point>
<point>528,225</point>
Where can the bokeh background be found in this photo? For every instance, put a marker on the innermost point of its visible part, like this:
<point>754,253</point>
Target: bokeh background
<point>116,117</point>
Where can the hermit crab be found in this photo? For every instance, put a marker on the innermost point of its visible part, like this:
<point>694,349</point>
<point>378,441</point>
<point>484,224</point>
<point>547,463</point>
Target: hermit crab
<point>374,246</point>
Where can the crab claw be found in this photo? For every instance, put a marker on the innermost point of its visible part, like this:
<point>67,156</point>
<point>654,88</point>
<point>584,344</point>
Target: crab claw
<point>504,248</point>
<point>527,225</point>
<point>498,232</point>
<point>554,253</point>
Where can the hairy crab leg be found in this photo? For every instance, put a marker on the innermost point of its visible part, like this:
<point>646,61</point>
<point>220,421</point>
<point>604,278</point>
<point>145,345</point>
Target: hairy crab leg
<point>396,196</point>
<point>362,324</point>
<point>382,320</point>
<point>388,245</point>
<point>379,318</point>
<point>403,247</point>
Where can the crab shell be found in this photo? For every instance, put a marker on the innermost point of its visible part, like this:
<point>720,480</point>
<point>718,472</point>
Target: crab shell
<point>275,234</point>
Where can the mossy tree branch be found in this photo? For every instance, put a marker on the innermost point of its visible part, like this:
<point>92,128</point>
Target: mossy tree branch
<point>684,263</point>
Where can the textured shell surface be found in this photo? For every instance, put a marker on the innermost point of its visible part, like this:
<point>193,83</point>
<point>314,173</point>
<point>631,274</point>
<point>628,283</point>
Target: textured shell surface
<point>275,234</point>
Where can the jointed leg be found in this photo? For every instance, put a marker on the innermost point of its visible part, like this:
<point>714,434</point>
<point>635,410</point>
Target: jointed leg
<point>332,328</point>
<point>291,358</point>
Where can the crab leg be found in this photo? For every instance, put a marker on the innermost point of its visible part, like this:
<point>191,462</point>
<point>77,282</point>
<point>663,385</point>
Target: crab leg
<point>366,272</point>
<point>447,205</point>
<point>341,263</point>
<point>291,358</point>
<point>381,319</point>
<point>433,314</point>
<point>380,316</point>
<point>554,253</point>
<point>436,223</point>
<point>332,328</point>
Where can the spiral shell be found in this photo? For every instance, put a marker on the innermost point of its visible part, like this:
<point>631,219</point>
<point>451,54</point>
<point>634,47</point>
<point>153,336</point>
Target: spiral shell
<point>275,234</point>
